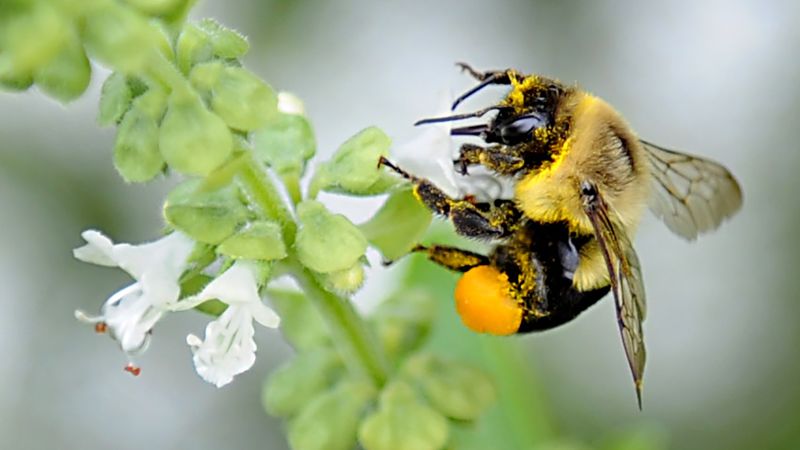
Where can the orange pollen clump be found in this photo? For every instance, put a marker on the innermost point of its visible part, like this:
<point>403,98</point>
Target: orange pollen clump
<point>484,302</point>
<point>133,370</point>
<point>100,327</point>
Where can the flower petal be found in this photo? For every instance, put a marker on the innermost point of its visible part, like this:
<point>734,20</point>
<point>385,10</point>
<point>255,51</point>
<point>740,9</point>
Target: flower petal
<point>130,317</point>
<point>98,250</point>
<point>228,348</point>
<point>165,257</point>
<point>264,315</point>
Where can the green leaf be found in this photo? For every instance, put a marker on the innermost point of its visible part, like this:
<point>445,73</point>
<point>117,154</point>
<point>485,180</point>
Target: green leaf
<point>115,99</point>
<point>331,420</point>
<point>457,390</point>
<point>327,242</point>
<point>285,143</point>
<point>136,154</point>
<point>67,75</point>
<point>296,384</point>
<point>398,225</point>
<point>301,324</point>
<point>260,240</point>
<point>192,139</point>
<point>403,422</point>
<point>353,169</point>
<point>243,100</point>
<point>207,216</point>
<point>404,320</point>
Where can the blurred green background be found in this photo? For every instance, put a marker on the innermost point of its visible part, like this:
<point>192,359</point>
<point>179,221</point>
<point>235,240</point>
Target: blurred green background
<point>715,78</point>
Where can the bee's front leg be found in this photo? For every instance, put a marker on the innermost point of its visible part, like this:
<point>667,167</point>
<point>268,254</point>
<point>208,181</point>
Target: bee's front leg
<point>452,258</point>
<point>468,218</point>
<point>499,159</point>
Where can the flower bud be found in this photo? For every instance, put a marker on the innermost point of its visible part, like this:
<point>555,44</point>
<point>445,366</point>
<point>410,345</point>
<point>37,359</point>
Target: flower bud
<point>345,282</point>
<point>206,216</point>
<point>331,420</point>
<point>136,155</point>
<point>66,76</point>
<point>192,139</point>
<point>206,40</point>
<point>457,390</point>
<point>403,422</point>
<point>285,143</point>
<point>242,99</point>
<point>115,99</point>
<point>30,37</point>
<point>297,383</point>
<point>157,7</point>
<point>226,43</point>
<point>398,225</point>
<point>260,240</point>
<point>327,242</point>
<point>122,38</point>
<point>354,168</point>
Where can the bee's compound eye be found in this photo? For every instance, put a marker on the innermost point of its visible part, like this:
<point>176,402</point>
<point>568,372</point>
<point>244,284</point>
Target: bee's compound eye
<point>484,302</point>
<point>520,129</point>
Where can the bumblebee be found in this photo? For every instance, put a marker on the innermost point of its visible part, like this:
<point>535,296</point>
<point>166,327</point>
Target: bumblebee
<point>582,181</point>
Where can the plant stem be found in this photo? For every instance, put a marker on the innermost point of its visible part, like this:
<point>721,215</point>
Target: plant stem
<point>350,333</point>
<point>263,193</point>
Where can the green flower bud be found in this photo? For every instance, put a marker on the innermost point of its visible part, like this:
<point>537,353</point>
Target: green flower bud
<point>226,43</point>
<point>136,155</point>
<point>398,225</point>
<point>115,99</point>
<point>192,139</point>
<point>122,38</point>
<point>299,382</point>
<point>30,37</point>
<point>260,240</point>
<point>403,422</point>
<point>331,420</point>
<point>301,323</point>
<point>15,82</point>
<point>353,169</point>
<point>193,46</point>
<point>243,100</point>
<point>457,390</point>
<point>327,242</point>
<point>153,102</point>
<point>201,43</point>
<point>404,320</point>
<point>67,75</point>
<point>206,216</point>
<point>345,282</point>
<point>285,144</point>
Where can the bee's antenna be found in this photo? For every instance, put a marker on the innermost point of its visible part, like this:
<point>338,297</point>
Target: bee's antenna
<point>478,113</point>
<point>491,79</point>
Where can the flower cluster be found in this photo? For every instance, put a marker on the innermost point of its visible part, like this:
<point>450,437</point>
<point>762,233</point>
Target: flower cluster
<point>184,106</point>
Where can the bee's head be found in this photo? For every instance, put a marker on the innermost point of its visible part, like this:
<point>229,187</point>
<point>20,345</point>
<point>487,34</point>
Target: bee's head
<point>530,105</point>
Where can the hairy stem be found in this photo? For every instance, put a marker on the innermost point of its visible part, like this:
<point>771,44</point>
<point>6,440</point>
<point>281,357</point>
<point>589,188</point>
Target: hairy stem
<point>262,192</point>
<point>351,335</point>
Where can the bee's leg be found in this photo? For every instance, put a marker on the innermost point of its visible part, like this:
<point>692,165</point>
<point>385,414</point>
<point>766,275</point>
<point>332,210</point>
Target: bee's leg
<point>501,160</point>
<point>469,220</point>
<point>452,258</point>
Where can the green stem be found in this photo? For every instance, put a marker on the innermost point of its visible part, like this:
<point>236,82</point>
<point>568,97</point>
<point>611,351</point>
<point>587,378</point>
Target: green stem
<point>350,333</point>
<point>263,193</point>
<point>292,182</point>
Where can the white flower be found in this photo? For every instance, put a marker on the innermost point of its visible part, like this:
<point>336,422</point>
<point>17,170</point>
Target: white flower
<point>130,314</point>
<point>229,348</point>
<point>431,153</point>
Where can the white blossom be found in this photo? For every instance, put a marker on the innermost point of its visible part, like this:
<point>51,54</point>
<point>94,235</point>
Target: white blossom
<point>130,314</point>
<point>228,348</point>
<point>431,154</point>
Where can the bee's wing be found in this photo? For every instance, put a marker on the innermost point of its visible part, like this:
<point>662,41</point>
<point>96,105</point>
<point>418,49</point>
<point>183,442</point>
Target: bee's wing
<point>626,282</point>
<point>691,195</point>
